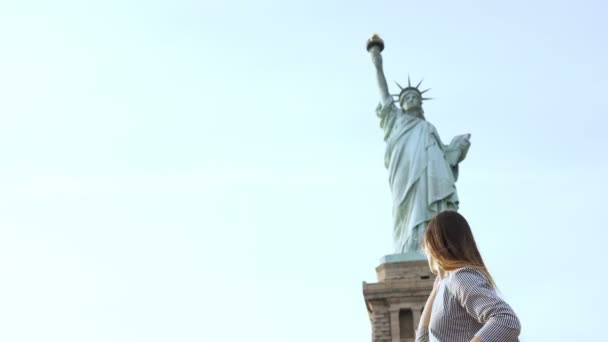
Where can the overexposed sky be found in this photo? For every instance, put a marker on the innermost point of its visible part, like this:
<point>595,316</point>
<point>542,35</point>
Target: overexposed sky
<point>213,171</point>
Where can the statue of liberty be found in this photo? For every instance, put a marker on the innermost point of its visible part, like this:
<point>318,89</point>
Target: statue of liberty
<point>422,170</point>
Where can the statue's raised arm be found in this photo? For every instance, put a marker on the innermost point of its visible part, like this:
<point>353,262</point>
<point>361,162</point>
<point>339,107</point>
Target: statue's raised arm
<point>375,45</point>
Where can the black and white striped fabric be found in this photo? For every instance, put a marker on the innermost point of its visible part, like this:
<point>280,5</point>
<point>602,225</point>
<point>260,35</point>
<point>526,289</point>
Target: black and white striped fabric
<point>466,305</point>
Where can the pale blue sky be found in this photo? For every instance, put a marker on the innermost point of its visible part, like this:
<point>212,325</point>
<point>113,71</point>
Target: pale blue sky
<point>213,171</point>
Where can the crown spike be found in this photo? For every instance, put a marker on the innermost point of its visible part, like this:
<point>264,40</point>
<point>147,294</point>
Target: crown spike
<point>427,98</point>
<point>398,85</point>
<point>419,83</point>
<point>424,91</point>
<point>409,84</point>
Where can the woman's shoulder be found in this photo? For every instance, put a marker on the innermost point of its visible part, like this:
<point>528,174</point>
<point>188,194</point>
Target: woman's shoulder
<point>465,277</point>
<point>464,271</point>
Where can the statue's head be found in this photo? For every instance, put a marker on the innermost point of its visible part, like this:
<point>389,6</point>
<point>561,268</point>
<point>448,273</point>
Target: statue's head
<point>410,98</point>
<point>449,244</point>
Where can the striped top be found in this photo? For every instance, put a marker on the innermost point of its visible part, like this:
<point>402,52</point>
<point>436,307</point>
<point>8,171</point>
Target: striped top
<point>466,306</point>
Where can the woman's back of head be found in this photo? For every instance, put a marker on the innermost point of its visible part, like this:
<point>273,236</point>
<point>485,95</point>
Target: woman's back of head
<point>449,243</point>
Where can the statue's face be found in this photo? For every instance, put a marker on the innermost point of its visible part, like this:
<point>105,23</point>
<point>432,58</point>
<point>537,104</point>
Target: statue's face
<point>411,100</point>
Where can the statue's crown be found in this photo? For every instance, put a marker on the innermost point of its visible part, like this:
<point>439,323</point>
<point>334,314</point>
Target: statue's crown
<point>412,88</point>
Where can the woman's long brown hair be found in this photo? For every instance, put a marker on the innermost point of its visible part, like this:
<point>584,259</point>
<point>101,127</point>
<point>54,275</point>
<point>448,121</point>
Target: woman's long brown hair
<point>450,244</point>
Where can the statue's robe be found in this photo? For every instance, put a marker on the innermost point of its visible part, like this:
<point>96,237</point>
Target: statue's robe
<point>422,173</point>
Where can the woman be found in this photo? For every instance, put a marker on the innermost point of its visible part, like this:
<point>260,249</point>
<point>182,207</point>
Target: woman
<point>463,306</point>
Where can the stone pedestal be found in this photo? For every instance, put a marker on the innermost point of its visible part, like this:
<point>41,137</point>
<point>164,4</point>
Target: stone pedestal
<point>396,301</point>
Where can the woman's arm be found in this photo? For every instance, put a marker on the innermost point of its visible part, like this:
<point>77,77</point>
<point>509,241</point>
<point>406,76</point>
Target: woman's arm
<point>422,333</point>
<point>480,300</point>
